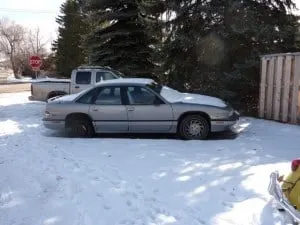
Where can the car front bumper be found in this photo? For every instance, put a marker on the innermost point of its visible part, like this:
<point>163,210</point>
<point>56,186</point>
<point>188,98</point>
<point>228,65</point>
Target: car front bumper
<point>58,125</point>
<point>224,125</point>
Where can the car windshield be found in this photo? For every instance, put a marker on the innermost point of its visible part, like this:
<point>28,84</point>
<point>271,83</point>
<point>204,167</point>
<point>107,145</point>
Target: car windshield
<point>171,95</point>
<point>155,87</point>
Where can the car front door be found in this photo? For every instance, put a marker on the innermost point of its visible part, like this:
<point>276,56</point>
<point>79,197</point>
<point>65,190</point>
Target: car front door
<point>147,112</point>
<point>108,111</point>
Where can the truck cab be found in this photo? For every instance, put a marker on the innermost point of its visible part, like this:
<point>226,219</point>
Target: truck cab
<point>82,78</point>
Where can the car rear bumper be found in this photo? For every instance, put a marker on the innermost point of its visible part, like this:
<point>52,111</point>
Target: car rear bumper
<point>224,125</point>
<point>58,125</point>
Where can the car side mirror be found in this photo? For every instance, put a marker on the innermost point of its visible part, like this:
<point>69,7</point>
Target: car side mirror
<point>157,101</point>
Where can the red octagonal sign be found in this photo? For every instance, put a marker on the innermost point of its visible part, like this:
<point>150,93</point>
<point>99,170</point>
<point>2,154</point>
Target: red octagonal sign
<point>35,62</point>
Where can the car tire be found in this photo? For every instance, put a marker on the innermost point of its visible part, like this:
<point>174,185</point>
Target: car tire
<point>79,126</point>
<point>194,127</point>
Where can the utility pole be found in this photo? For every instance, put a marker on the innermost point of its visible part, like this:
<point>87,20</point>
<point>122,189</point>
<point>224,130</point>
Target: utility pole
<point>37,49</point>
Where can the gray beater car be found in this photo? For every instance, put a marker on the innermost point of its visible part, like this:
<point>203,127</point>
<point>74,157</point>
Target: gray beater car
<point>138,105</point>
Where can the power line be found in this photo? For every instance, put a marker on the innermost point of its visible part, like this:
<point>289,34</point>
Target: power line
<point>10,10</point>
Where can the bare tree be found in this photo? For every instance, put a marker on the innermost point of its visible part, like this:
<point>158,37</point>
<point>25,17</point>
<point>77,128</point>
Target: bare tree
<point>18,43</point>
<point>34,44</point>
<point>37,44</point>
<point>11,36</point>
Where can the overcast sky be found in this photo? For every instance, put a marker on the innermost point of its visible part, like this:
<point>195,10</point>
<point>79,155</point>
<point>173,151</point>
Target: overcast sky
<point>32,14</point>
<point>41,13</point>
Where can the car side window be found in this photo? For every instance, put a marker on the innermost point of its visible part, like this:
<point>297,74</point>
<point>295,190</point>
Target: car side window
<point>109,96</point>
<point>88,97</point>
<point>83,77</point>
<point>141,96</point>
<point>104,75</point>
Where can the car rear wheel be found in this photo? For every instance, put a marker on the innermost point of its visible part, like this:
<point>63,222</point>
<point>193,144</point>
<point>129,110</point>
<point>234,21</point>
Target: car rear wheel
<point>78,126</point>
<point>194,127</point>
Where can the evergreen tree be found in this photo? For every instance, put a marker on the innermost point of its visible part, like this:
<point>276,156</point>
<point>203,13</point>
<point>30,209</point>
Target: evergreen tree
<point>181,51</point>
<point>254,28</point>
<point>215,45</point>
<point>67,47</point>
<point>122,38</point>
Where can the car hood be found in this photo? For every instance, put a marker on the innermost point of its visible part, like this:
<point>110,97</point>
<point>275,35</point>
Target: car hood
<point>202,99</point>
<point>175,97</point>
<point>65,98</point>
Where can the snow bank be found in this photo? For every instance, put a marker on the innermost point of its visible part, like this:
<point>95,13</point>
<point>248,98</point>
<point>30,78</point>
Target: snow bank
<point>11,78</point>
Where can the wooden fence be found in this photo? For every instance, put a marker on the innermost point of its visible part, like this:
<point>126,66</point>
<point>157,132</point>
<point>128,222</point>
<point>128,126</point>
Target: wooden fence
<point>280,87</point>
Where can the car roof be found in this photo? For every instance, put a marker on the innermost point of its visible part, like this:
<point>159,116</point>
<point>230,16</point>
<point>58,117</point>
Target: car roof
<point>120,81</point>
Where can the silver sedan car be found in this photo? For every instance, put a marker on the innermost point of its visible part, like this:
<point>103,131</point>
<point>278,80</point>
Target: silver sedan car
<point>137,105</point>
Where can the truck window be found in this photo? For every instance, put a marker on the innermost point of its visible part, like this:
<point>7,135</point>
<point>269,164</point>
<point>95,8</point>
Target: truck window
<point>83,77</point>
<point>104,76</point>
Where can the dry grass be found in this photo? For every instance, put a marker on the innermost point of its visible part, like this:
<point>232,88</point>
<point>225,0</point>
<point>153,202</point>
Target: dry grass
<point>11,88</point>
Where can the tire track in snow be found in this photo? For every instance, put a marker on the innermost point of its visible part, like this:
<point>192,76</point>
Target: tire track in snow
<point>90,180</point>
<point>132,192</point>
<point>40,186</point>
<point>59,155</point>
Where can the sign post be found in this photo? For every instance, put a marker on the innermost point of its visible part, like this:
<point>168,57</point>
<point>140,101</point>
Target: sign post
<point>35,62</point>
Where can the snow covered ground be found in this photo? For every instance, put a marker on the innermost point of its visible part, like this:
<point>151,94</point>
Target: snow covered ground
<point>12,79</point>
<point>48,179</point>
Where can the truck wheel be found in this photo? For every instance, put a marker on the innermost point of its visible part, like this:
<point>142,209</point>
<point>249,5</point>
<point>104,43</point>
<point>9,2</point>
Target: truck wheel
<point>54,94</point>
<point>194,127</point>
<point>79,126</point>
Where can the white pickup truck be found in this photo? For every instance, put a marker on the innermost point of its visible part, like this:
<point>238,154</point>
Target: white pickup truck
<point>81,78</point>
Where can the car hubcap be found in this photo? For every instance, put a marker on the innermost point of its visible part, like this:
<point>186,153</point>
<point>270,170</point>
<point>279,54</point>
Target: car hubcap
<point>194,128</point>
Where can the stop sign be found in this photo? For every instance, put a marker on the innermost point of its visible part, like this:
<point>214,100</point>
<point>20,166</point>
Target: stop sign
<point>35,62</point>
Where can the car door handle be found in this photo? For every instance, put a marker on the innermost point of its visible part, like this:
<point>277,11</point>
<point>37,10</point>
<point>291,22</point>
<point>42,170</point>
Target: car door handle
<point>130,108</point>
<point>95,110</point>
<point>76,86</point>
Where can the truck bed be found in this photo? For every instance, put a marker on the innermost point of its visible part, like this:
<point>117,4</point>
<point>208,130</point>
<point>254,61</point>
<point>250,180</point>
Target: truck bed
<point>42,89</point>
<point>51,80</point>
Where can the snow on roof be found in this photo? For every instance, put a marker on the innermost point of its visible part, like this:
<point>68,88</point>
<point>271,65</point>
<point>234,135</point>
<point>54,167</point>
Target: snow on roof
<point>127,81</point>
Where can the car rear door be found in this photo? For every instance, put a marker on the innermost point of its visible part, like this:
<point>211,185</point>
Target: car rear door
<point>147,112</point>
<point>108,110</point>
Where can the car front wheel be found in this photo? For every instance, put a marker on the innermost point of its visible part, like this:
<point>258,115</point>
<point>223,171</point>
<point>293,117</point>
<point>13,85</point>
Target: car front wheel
<point>79,127</point>
<point>194,127</point>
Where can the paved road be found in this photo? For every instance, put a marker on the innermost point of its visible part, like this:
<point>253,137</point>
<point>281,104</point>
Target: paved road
<point>10,88</point>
